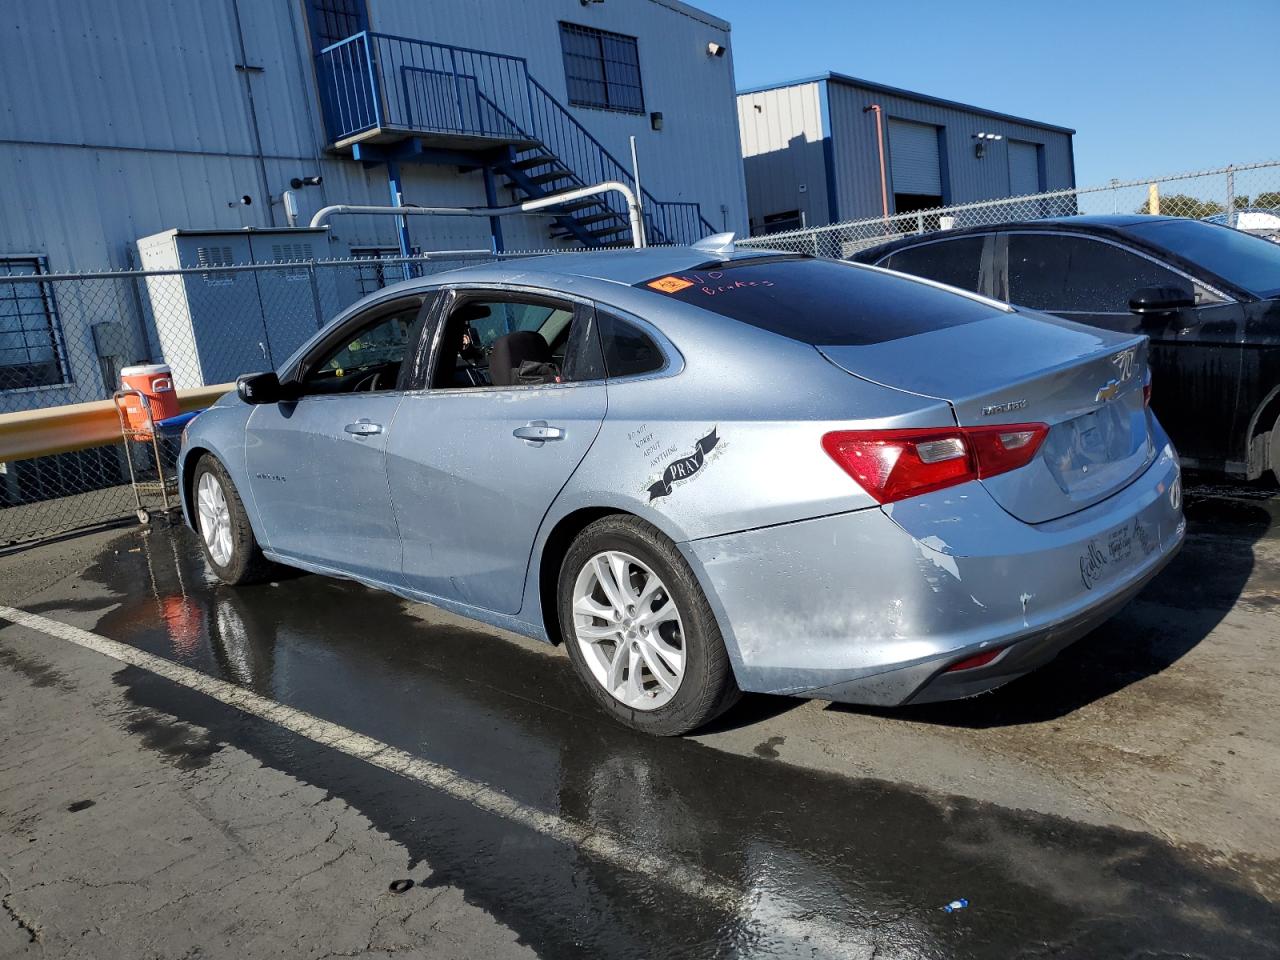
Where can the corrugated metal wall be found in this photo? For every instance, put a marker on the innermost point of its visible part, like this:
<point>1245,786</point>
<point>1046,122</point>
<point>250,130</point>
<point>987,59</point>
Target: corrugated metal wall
<point>857,167</point>
<point>122,120</point>
<point>783,151</point>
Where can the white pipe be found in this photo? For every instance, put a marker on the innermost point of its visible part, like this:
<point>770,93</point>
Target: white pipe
<point>528,206</point>
<point>635,175</point>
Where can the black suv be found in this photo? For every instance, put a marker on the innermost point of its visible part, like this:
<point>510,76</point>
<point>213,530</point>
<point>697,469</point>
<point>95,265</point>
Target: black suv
<point>1207,296</point>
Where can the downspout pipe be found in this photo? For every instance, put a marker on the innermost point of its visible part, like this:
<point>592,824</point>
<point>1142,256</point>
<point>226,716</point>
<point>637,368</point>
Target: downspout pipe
<point>884,181</point>
<point>528,206</point>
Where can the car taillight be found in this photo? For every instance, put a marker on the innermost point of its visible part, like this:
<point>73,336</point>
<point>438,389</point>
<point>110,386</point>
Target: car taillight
<point>1146,390</point>
<point>895,464</point>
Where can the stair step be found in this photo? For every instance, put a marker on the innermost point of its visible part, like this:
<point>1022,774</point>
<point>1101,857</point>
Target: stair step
<point>545,178</point>
<point>597,217</point>
<point>597,234</point>
<point>529,163</point>
<point>573,206</point>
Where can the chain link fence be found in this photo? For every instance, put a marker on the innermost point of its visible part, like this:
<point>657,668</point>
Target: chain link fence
<point>1246,196</point>
<point>64,338</point>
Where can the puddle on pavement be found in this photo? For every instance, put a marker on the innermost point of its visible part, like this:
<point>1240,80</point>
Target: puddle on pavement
<point>870,858</point>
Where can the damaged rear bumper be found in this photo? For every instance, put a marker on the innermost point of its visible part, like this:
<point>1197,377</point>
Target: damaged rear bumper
<point>873,606</point>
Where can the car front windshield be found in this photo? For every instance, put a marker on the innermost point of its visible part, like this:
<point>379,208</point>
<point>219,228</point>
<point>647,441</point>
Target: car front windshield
<point>1248,262</point>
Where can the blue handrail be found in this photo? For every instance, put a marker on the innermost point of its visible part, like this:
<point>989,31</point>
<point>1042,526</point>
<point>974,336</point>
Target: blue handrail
<point>381,81</point>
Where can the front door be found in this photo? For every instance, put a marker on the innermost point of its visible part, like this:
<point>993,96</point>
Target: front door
<point>316,464</point>
<point>515,400</point>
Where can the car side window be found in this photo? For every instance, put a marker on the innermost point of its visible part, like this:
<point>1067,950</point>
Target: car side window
<point>1069,274</point>
<point>366,359</point>
<point>628,350</point>
<point>957,262</point>
<point>501,341</point>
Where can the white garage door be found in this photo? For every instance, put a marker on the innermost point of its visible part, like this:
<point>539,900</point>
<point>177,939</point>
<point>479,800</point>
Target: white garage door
<point>913,158</point>
<point>1024,169</point>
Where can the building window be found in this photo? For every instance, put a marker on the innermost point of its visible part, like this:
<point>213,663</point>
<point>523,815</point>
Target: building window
<point>601,69</point>
<point>32,353</point>
<point>334,20</point>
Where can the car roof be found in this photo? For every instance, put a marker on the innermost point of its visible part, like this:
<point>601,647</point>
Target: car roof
<point>627,266</point>
<point>1104,224</point>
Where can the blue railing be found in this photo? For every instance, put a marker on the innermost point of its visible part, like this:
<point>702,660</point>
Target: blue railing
<point>375,81</point>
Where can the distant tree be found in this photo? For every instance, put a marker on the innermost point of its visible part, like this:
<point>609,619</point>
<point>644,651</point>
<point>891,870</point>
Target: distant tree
<point>1182,205</point>
<point>1270,200</point>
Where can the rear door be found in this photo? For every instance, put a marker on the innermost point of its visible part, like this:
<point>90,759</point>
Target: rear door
<point>1090,280</point>
<point>473,467</point>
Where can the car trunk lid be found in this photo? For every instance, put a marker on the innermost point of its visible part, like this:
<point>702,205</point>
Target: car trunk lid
<point>1022,367</point>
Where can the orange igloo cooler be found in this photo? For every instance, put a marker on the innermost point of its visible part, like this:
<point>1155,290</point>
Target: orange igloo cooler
<point>155,382</point>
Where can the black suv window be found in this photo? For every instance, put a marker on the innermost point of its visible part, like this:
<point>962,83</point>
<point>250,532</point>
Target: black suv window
<point>628,350</point>
<point>956,262</point>
<point>1068,274</point>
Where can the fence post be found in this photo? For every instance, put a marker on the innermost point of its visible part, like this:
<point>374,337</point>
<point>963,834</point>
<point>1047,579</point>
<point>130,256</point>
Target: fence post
<point>315,294</point>
<point>1231,194</point>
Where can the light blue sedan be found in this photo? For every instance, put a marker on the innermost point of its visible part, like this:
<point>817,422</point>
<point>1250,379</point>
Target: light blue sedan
<point>707,471</point>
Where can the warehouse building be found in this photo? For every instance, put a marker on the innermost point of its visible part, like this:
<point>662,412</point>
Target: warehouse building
<point>169,133</point>
<point>200,116</point>
<point>833,148</point>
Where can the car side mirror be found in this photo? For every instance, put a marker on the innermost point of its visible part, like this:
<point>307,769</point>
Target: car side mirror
<point>1160,300</point>
<point>259,387</point>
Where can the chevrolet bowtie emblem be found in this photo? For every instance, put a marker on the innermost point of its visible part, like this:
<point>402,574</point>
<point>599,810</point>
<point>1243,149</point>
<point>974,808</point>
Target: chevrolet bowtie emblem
<point>1109,392</point>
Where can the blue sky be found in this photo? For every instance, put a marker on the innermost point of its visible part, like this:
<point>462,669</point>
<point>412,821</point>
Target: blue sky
<point>1151,88</point>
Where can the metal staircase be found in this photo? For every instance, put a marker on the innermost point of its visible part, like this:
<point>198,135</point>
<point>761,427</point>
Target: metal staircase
<point>403,99</point>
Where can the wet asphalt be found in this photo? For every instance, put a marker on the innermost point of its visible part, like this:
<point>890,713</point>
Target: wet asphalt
<point>870,859</point>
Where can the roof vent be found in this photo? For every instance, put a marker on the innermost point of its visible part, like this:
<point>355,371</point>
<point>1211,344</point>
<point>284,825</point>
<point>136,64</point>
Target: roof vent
<point>718,244</point>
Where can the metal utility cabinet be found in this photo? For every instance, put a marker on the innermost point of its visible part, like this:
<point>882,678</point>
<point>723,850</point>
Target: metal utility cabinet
<point>213,326</point>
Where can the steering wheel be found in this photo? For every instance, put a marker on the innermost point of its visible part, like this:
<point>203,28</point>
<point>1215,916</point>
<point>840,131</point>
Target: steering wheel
<point>369,382</point>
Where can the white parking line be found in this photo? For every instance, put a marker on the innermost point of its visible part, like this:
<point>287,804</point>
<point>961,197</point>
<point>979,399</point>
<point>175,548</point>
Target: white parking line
<point>824,937</point>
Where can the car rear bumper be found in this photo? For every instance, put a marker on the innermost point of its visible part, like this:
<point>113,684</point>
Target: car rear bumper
<point>873,606</point>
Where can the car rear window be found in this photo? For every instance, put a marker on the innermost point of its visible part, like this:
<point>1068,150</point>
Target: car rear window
<point>821,302</point>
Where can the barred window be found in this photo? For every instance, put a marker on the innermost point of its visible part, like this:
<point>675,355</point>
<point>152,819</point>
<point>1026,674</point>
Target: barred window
<point>334,20</point>
<point>31,348</point>
<point>601,69</point>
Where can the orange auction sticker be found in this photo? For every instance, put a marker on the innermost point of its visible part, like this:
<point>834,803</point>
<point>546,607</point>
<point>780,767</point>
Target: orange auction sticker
<point>669,284</point>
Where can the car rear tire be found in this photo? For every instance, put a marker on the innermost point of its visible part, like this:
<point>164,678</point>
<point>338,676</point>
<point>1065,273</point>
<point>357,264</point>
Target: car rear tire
<point>220,519</point>
<point>1273,452</point>
<point>639,630</point>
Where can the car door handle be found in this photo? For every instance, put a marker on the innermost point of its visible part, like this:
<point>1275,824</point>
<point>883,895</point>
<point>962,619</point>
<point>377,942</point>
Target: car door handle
<point>363,428</point>
<point>537,431</point>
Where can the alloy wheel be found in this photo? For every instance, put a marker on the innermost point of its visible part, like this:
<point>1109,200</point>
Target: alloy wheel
<point>629,631</point>
<point>215,519</point>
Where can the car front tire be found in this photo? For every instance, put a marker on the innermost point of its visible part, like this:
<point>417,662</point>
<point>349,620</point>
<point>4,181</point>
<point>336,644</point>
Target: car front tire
<point>639,630</point>
<point>220,519</point>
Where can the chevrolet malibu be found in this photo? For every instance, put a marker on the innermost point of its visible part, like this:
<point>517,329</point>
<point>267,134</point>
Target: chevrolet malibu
<point>707,471</point>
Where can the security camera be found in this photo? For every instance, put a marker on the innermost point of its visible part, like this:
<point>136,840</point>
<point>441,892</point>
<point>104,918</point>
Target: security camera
<point>244,201</point>
<point>299,182</point>
<point>715,49</point>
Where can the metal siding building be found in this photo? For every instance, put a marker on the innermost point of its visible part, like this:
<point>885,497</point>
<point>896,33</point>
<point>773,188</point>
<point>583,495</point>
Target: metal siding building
<point>810,152</point>
<point>124,120</point>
